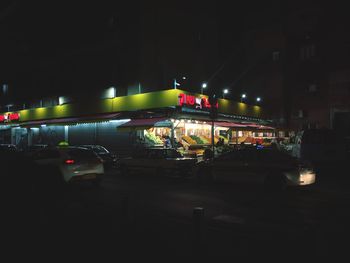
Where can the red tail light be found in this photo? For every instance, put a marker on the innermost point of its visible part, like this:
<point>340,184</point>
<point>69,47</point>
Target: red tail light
<point>69,161</point>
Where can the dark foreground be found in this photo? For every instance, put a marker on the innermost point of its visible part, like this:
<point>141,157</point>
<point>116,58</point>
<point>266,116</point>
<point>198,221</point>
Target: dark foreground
<point>148,216</point>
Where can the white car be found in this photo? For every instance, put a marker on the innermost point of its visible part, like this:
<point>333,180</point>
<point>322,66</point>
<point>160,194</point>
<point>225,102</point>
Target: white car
<point>73,163</point>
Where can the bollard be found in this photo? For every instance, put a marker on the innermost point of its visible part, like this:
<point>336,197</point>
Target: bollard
<point>198,216</point>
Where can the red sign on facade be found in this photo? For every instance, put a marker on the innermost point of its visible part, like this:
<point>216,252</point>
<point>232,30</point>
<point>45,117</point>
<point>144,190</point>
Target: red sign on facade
<point>14,116</point>
<point>9,117</point>
<point>198,103</point>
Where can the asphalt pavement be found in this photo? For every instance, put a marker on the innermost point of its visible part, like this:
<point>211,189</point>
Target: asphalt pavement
<point>161,216</point>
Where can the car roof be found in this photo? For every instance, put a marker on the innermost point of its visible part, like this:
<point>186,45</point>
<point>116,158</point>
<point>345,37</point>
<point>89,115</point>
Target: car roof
<point>160,149</point>
<point>64,148</point>
<point>90,145</point>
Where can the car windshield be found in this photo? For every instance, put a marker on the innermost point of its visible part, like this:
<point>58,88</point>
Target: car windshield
<point>173,154</point>
<point>80,153</point>
<point>97,148</point>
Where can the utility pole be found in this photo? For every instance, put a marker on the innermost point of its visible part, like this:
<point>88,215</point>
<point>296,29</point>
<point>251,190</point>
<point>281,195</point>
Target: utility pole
<point>213,101</point>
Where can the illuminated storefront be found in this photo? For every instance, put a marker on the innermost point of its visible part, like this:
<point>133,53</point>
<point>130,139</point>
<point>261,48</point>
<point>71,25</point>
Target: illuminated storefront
<point>148,118</point>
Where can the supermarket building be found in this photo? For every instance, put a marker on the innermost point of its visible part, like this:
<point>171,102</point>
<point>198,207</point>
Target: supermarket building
<point>120,123</point>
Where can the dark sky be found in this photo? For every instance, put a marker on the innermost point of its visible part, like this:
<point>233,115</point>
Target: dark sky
<point>42,41</point>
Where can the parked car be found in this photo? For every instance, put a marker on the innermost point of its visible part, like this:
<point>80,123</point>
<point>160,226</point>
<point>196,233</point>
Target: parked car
<point>30,150</point>
<point>272,168</point>
<point>72,163</point>
<point>8,147</point>
<point>109,159</point>
<point>319,146</point>
<point>26,192</point>
<point>160,161</point>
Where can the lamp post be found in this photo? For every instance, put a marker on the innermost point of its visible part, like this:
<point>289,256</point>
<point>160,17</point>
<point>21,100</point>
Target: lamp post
<point>204,85</point>
<point>258,99</point>
<point>176,84</point>
<point>224,91</point>
<point>244,96</point>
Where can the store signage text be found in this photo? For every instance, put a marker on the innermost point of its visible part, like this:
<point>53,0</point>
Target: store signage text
<point>9,117</point>
<point>197,102</point>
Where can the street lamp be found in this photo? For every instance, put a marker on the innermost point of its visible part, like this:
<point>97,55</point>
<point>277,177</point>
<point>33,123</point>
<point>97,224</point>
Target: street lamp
<point>258,99</point>
<point>244,96</point>
<point>225,91</point>
<point>9,106</point>
<point>204,85</point>
<point>176,84</point>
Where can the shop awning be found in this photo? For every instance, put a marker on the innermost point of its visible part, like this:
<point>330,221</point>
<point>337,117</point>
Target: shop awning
<point>244,126</point>
<point>74,120</point>
<point>258,126</point>
<point>229,124</point>
<point>147,123</point>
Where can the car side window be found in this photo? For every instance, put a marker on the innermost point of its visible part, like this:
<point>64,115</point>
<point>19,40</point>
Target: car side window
<point>156,155</point>
<point>251,155</point>
<point>232,156</point>
<point>273,156</point>
<point>140,154</point>
<point>172,154</point>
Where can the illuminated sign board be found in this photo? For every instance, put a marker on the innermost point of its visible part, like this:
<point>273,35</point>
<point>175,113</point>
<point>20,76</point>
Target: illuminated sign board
<point>9,117</point>
<point>197,102</point>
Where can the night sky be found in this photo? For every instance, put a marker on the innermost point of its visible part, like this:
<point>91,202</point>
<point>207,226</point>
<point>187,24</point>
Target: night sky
<point>54,47</point>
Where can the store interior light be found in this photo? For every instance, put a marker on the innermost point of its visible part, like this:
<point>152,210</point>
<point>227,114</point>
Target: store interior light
<point>123,120</point>
<point>112,92</point>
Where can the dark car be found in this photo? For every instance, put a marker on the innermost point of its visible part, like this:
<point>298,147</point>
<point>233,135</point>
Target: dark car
<point>30,150</point>
<point>8,147</point>
<point>160,161</point>
<point>270,167</point>
<point>26,192</point>
<point>109,159</point>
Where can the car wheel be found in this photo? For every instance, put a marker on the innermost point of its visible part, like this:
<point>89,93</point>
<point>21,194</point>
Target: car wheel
<point>275,183</point>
